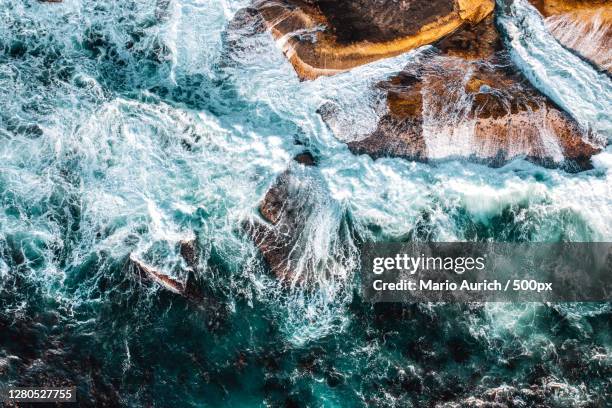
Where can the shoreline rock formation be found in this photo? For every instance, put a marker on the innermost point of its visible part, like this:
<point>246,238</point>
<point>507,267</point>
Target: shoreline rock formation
<point>325,37</point>
<point>466,100</point>
<point>463,100</point>
<point>192,288</point>
<point>148,272</point>
<point>188,289</point>
<point>283,210</point>
<point>304,238</point>
<point>583,26</point>
<point>553,7</point>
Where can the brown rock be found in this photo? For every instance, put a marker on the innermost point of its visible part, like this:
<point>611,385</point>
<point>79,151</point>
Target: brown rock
<point>468,101</point>
<point>582,26</point>
<point>188,289</point>
<point>478,41</point>
<point>277,237</point>
<point>306,159</point>
<point>192,288</point>
<point>324,37</point>
<point>284,209</point>
<point>148,272</point>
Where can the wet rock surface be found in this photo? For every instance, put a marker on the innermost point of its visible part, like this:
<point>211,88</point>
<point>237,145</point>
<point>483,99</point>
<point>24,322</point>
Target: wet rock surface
<point>463,100</point>
<point>376,21</point>
<point>148,272</point>
<point>295,211</point>
<point>284,210</point>
<point>327,37</point>
<point>552,7</point>
<point>72,314</point>
<point>467,100</point>
<point>192,288</point>
<point>306,158</point>
<point>584,27</point>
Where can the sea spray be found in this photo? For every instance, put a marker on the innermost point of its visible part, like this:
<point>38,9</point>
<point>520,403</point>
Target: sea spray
<point>572,83</point>
<point>586,33</point>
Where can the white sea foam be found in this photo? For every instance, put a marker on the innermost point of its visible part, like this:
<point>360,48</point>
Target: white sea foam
<point>143,171</point>
<point>587,34</point>
<point>572,83</point>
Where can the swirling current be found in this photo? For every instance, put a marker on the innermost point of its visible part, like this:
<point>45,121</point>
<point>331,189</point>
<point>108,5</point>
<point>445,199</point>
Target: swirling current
<point>128,127</point>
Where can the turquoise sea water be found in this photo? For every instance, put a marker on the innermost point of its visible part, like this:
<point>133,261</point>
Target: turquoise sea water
<point>127,127</point>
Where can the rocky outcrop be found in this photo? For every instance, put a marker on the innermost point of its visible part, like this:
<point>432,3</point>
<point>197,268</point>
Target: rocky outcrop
<point>186,288</point>
<point>148,272</point>
<point>467,100</point>
<point>284,210</point>
<point>306,158</point>
<point>324,37</point>
<point>554,7</point>
<point>302,234</point>
<point>582,26</point>
<point>192,287</point>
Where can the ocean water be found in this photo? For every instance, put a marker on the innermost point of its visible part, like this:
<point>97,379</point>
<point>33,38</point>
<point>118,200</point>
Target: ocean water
<point>127,127</point>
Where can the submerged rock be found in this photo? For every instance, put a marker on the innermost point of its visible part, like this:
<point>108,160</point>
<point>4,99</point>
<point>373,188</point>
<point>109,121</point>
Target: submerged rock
<point>148,272</point>
<point>189,252</point>
<point>306,158</point>
<point>547,392</point>
<point>192,288</point>
<point>186,287</point>
<point>303,238</point>
<point>284,209</point>
<point>467,100</point>
<point>583,26</point>
<point>324,37</point>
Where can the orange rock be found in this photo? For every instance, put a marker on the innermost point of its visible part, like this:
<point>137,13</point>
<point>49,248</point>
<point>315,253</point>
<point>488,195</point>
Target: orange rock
<point>325,37</point>
<point>553,7</point>
<point>587,30</point>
